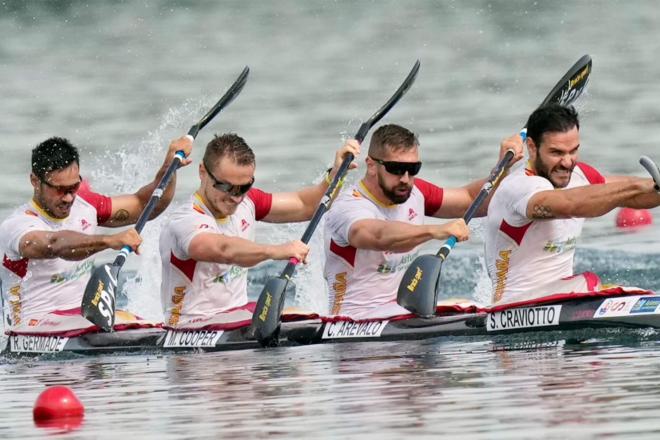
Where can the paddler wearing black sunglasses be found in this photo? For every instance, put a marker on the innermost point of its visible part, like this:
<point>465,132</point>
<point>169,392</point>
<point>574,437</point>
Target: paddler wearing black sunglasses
<point>47,243</point>
<point>375,228</point>
<point>208,243</point>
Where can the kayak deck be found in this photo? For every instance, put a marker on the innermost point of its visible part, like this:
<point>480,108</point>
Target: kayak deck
<point>630,311</point>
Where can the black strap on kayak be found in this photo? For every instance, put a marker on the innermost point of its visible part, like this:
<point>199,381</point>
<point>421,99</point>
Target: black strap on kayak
<point>98,303</point>
<point>419,288</point>
<point>268,313</point>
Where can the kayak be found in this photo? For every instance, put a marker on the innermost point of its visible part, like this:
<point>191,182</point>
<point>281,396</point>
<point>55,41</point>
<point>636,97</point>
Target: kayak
<point>613,307</point>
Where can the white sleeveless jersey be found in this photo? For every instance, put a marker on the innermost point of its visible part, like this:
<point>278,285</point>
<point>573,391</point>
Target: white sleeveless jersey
<point>360,280</point>
<point>35,287</point>
<point>522,254</point>
<point>194,289</point>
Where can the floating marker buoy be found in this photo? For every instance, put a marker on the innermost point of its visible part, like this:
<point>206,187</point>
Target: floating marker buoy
<point>58,406</point>
<point>633,218</point>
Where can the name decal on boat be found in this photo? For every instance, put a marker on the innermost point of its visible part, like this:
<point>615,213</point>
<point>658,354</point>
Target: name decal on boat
<point>37,344</point>
<point>192,338</point>
<point>348,329</point>
<point>526,317</point>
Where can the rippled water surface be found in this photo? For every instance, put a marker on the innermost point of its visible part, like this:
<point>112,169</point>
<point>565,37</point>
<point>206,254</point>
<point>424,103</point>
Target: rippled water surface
<point>122,78</point>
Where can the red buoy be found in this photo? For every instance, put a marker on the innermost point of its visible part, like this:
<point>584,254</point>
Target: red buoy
<point>633,218</point>
<point>58,406</point>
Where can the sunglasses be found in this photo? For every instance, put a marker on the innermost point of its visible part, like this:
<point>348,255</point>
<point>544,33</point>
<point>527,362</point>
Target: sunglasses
<point>229,188</point>
<point>64,189</point>
<point>399,168</point>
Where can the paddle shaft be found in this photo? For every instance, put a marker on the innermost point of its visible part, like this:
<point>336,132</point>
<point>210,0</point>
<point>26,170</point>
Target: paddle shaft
<point>326,200</point>
<point>486,188</point>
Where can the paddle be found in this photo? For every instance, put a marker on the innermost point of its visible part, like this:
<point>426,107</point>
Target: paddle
<point>98,303</point>
<point>267,315</point>
<point>418,291</point>
<point>652,169</point>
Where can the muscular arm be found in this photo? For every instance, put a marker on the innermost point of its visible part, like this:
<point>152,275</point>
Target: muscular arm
<point>223,249</point>
<point>592,200</point>
<point>395,236</point>
<point>456,201</point>
<point>642,201</point>
<point>300,205</point>
<point>68,245</point>
<point>296,206</point>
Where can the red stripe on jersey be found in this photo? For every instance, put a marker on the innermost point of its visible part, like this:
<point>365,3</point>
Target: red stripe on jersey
<point>347,253</point>
<point>187,267</point>
<point>262,200</point>
<point>103,204</point>
<point>19,267</point>
<point>592,174</point>
<point>515,232</point>
<point>433,196</point>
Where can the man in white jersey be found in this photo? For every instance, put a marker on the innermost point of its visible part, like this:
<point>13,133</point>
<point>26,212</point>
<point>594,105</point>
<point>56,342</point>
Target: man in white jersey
<point>537,213</point>
<point>375,228</point>
<point>208,242</point>
<point>47,243</point>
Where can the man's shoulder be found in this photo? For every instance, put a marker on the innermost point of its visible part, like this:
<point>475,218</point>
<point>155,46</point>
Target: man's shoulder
<point>22,214</point>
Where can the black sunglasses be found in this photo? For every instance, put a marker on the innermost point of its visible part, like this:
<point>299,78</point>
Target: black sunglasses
<point>64,189</point>
<point>399,168</point>
<point>229,188</point>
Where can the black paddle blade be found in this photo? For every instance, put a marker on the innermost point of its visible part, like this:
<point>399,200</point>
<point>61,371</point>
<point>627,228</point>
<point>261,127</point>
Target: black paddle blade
<point>652,169</point>
<point>266,318</point>
<point>418,282</point>
<point>226,99</point>
<point>98,304</point>
<point>571,86</point>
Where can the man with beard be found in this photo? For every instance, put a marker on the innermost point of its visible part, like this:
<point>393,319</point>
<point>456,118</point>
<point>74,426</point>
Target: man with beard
<point>537,213</point>
<point>208,242</point>
<point>48,242</point>
<point>374,229</point>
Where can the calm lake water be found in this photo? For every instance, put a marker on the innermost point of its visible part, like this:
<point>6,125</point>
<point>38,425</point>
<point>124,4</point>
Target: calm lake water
<point>120,79</point>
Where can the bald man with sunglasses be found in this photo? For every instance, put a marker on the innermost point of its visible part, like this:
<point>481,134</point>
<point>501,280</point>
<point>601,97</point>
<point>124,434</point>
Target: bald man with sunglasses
<point>208,242</point>
<point>48,243</point>
<point>375,228</point>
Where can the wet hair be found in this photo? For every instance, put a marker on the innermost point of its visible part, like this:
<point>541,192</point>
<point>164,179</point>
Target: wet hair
<point>392,136</point>
<point>229,145</point>
<point>53,154</point>
<point>551,118</point>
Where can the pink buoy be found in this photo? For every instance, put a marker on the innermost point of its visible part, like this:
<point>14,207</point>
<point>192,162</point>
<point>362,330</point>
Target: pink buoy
<point>58,406</point>
<point>628,218</point>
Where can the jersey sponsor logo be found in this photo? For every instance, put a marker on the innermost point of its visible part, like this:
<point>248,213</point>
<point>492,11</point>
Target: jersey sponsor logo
<point>349,329</point>
<point>244,225</point>
<point>616,307</point>
<point>356,194</point>
<point>502,270</point>
<point>84,224</point>
<point>646,305</point>
<point>411,214</point>
<point>526,317</point>
<point>203,226</point>
<point>560,247</point>
<point>396,266</point>
<point>192,338</point>
<point>233,273</point>
<point>77,272</point>
<point>36,344</point>
<point>32,213</point>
